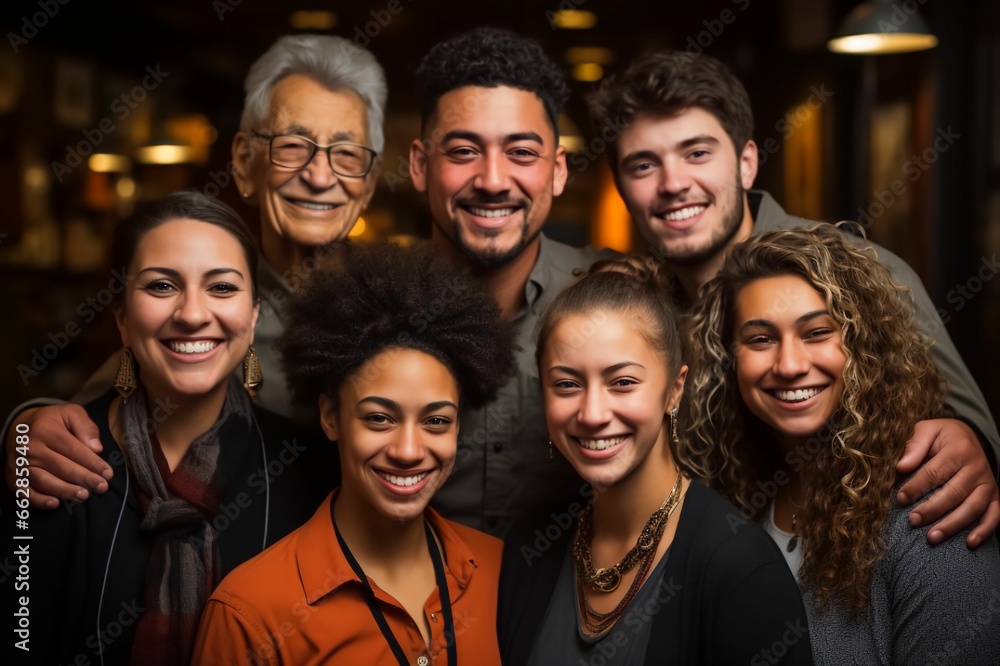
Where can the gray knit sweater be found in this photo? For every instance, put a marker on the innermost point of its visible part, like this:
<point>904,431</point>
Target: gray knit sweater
<point>929,605</point>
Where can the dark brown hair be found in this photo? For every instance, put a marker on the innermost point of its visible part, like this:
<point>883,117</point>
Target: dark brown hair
<point>668,82</point>
<point>187,205</point>
<point>633,286</point>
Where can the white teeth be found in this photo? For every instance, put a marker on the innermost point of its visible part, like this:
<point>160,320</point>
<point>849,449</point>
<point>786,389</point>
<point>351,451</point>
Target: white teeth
<point>193,347</point>
<point>601,444</point>
<point>314,206</point>
<point>797,395</point>
<point>684,213</point>
<point>403,481</point>
<point>484,212</point>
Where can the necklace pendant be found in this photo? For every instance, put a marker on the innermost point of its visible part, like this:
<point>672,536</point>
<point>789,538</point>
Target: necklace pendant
<point>792,543</point>
<point>607,580</point>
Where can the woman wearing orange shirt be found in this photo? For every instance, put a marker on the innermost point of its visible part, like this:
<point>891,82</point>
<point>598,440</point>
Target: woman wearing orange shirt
<point>390,343</point>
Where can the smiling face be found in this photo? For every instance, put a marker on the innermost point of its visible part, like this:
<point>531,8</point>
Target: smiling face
<point>188,313</point>
<point>312,205</point>
<point>396,424</point>
<point>606,393</point>
<point>683,183</point>
<point>490,166</point>
<point>789,358</point>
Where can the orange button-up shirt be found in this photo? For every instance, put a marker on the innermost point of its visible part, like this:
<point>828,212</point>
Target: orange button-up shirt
<point>299,602</point>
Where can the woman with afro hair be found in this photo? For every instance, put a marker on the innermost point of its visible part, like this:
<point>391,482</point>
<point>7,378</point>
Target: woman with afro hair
<point>390,343</point>
<point>808,377</point>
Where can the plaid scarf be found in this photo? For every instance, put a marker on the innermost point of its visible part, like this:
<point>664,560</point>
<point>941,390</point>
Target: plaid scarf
<point>184,565</point>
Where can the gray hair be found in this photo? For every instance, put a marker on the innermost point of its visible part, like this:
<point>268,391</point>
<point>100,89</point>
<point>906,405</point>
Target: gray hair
<point>332,61</point>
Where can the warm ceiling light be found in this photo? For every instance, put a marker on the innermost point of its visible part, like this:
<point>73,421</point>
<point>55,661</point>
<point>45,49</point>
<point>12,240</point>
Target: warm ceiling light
<point>313,20</point>
<point>587,71</point>
<point>125,187</point>
<point>573,19</point>
<point>880,27</point>
<point>108,163</point>
<point>597,54</point>
<point>165,153</point>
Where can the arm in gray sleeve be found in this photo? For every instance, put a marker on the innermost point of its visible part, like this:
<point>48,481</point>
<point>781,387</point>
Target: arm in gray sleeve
<point>964,396</point>
<point>945,599</point>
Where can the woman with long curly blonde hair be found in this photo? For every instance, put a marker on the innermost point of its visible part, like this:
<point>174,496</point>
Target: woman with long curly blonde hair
<point>808,377</point>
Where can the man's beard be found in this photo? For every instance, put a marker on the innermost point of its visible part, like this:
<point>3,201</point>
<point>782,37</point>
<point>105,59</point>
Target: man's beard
<point>716,244</point>
<point>491,257</point>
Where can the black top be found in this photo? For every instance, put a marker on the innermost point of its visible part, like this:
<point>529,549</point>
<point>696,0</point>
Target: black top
<point>731,597</point>
<point>71,547</point>
<point>562,639</point>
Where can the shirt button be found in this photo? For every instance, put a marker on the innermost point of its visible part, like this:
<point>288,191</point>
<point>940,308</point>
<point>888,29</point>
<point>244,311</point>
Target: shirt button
<point>422,660</point>
<point>434,617</point>
<point>498,447</point>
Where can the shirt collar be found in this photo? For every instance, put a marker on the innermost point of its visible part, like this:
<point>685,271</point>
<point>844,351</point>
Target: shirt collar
<point>545,271</point>
<point>323,568</point>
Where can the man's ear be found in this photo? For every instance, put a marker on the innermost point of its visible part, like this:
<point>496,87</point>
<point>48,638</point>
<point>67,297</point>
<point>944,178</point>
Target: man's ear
<point>328,417</point>
<point>418,165</point>
<point>561,172</point>
<point>243,165</point>
<point>748,164</point>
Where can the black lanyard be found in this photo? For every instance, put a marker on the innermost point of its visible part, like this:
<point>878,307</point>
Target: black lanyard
<point>442,585</point>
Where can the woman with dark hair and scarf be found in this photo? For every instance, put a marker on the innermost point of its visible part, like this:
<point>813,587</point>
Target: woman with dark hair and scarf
<point>197,489</point>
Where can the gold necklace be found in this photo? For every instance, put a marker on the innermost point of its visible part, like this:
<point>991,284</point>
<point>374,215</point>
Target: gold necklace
<point>603,622</point>
<point>607,579</point>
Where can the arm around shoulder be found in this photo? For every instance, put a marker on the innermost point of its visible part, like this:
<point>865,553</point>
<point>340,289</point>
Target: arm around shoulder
<point>964,395</point>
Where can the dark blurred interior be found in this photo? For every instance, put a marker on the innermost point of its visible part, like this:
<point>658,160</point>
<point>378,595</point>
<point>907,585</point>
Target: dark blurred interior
<point>907,143</point>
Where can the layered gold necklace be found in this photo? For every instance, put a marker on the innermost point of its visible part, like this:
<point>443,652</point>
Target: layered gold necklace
<point>607,579</point>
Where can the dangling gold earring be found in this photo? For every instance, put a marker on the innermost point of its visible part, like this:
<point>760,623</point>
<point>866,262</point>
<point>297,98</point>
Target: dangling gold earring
<point>253,378</point>
<point>551,454</point>
<point>125,382</point>
<point>673,426</point>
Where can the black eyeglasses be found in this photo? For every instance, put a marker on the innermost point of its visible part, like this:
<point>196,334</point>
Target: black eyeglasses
<point>295,152</point>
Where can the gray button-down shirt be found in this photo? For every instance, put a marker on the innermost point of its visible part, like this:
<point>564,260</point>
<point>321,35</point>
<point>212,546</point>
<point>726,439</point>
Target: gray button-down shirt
<point>503,467</point>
